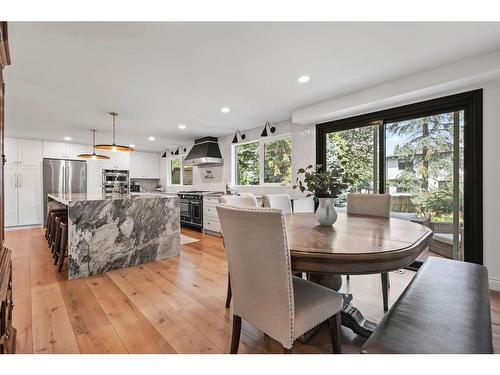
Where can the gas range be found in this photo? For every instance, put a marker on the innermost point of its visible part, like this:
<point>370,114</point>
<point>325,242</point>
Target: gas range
<point>195,194</point>
<point>191,207</point>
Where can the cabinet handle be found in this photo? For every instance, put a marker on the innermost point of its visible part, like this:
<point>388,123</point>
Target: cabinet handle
<point>20,180</point>
<point>15,183</point>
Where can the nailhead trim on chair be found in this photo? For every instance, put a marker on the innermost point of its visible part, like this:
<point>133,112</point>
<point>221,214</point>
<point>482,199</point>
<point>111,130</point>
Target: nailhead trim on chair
<point>287,256</point>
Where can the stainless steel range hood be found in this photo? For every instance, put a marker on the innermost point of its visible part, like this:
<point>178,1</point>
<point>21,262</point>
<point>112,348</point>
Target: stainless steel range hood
<point>204,153</point>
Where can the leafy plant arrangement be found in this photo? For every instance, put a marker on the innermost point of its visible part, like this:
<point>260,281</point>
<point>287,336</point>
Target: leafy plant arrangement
<point>329,184</point>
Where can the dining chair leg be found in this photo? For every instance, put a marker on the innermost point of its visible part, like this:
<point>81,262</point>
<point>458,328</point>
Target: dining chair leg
<point>335,332</point>
<point>229,293</point>
<point>385,291</point>
<point>235,339</point>
<point>287,351</point>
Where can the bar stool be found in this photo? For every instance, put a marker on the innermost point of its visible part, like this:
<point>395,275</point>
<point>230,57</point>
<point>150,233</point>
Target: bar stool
<point>49,221</point>
<point>62,249</point>
<point>57,217</point>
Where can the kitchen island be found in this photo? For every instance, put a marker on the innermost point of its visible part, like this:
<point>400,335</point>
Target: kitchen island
<point>107,232</point>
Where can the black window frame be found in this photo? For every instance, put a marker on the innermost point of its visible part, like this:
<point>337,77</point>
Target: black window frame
<point>471,102</point>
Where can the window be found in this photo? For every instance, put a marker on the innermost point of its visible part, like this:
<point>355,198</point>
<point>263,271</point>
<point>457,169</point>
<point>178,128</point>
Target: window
<point>247,164</point>
<point>175,171</point>
<point>180,174</point>
<point>405,164</point>
<point>263,162</point>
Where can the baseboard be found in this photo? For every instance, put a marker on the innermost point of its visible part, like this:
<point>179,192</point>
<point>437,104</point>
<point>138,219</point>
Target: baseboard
<point>21,227</point>
<point>494,283</point>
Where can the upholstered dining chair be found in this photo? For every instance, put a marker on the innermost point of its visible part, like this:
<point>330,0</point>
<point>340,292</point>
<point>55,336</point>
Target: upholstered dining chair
<point>247,200</point>
<point>281,201</point>
<point>378,205</point>
<point>239,200</point>
<point>265,293</point>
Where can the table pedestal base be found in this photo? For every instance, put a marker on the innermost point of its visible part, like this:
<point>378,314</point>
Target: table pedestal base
<point>353,319</point>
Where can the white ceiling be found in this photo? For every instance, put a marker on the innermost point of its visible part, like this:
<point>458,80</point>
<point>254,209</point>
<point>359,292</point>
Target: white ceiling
<point>65,77</point>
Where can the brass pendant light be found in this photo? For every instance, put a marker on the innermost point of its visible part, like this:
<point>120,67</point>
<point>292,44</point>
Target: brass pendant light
<point>114,147</point>
<point>93,155</point>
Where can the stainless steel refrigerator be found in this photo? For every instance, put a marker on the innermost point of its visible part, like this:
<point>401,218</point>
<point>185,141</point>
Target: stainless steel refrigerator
<point>63,176</point>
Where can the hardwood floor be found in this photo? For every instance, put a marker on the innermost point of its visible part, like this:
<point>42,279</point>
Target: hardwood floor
<point>170,306</point>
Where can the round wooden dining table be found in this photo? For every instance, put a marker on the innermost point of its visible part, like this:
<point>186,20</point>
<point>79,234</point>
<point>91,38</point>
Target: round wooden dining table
<point>354,245</point>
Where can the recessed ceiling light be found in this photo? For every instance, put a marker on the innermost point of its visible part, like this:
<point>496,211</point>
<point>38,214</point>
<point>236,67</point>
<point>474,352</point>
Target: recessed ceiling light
<point>151,138</point>
<point>131,145</point>
<point>67,138</point>
<point>182,126</point>
<point>304,79</point>
<point>225,109</point>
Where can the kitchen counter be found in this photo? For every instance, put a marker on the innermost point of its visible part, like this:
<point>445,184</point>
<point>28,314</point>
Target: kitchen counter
<point>107,232</point>
<point>78,197</point>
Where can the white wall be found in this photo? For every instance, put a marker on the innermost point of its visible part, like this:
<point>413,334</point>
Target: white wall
<point>491,181</point>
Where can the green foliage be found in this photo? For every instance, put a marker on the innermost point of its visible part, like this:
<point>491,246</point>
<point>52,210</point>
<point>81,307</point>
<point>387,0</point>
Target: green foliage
<point>175,167</point>
<point>427,142</point>
<point>328,184</point>
<point>278,161</point>
<point>247,164</point>
<point>356,148</point>
<point>437,201</point>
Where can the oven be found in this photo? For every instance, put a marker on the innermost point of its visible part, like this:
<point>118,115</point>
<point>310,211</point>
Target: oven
<point>191,209</point>
<point>115,181</point>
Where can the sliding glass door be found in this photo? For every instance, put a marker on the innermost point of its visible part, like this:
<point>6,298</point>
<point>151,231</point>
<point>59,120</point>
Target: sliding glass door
<point>428,156</point>
<point>424,175</point>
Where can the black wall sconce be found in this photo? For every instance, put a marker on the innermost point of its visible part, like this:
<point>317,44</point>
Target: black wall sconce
<point>242,136</point>
<point>174,152</point>
<point>272,129</point>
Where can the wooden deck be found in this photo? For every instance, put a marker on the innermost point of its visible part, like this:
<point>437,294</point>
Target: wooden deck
<point>169,306</point>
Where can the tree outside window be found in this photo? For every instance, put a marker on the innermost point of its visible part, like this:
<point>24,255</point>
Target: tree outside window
<point>187,175</point>
<point>247,164</point>
<point>278,162</point>
<point>175,171</point>
<point>264,162</point>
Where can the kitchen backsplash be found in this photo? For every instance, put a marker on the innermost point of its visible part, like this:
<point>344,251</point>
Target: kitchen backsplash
<point>146,184</point>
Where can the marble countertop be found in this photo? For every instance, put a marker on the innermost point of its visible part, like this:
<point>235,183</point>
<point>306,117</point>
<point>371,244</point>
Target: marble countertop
<point>78,197</point>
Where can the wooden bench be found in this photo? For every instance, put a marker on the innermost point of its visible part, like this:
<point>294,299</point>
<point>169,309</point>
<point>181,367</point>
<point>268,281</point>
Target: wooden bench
<point>445,309</point>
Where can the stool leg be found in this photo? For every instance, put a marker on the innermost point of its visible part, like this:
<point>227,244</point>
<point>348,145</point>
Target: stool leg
<point>63,246</point>
<point>57,241</point>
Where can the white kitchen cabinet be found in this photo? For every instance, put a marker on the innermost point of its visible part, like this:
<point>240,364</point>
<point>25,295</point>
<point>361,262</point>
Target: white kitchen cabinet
<point>29,153</point>
<point>10,150</point>
<point>75,149</point>
<point>30,206</point>
<point>122,160</point>
<point>10,196</point>
<point>55,150</point>
<point>62,150</point>
<point>117,160</point>
<point>145,165</point>
<point>23,182</point>
<point>94,176</point>
<point>211,223</point>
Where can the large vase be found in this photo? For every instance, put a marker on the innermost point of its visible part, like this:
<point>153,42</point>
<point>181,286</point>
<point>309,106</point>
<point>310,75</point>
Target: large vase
<point>326,213</point>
